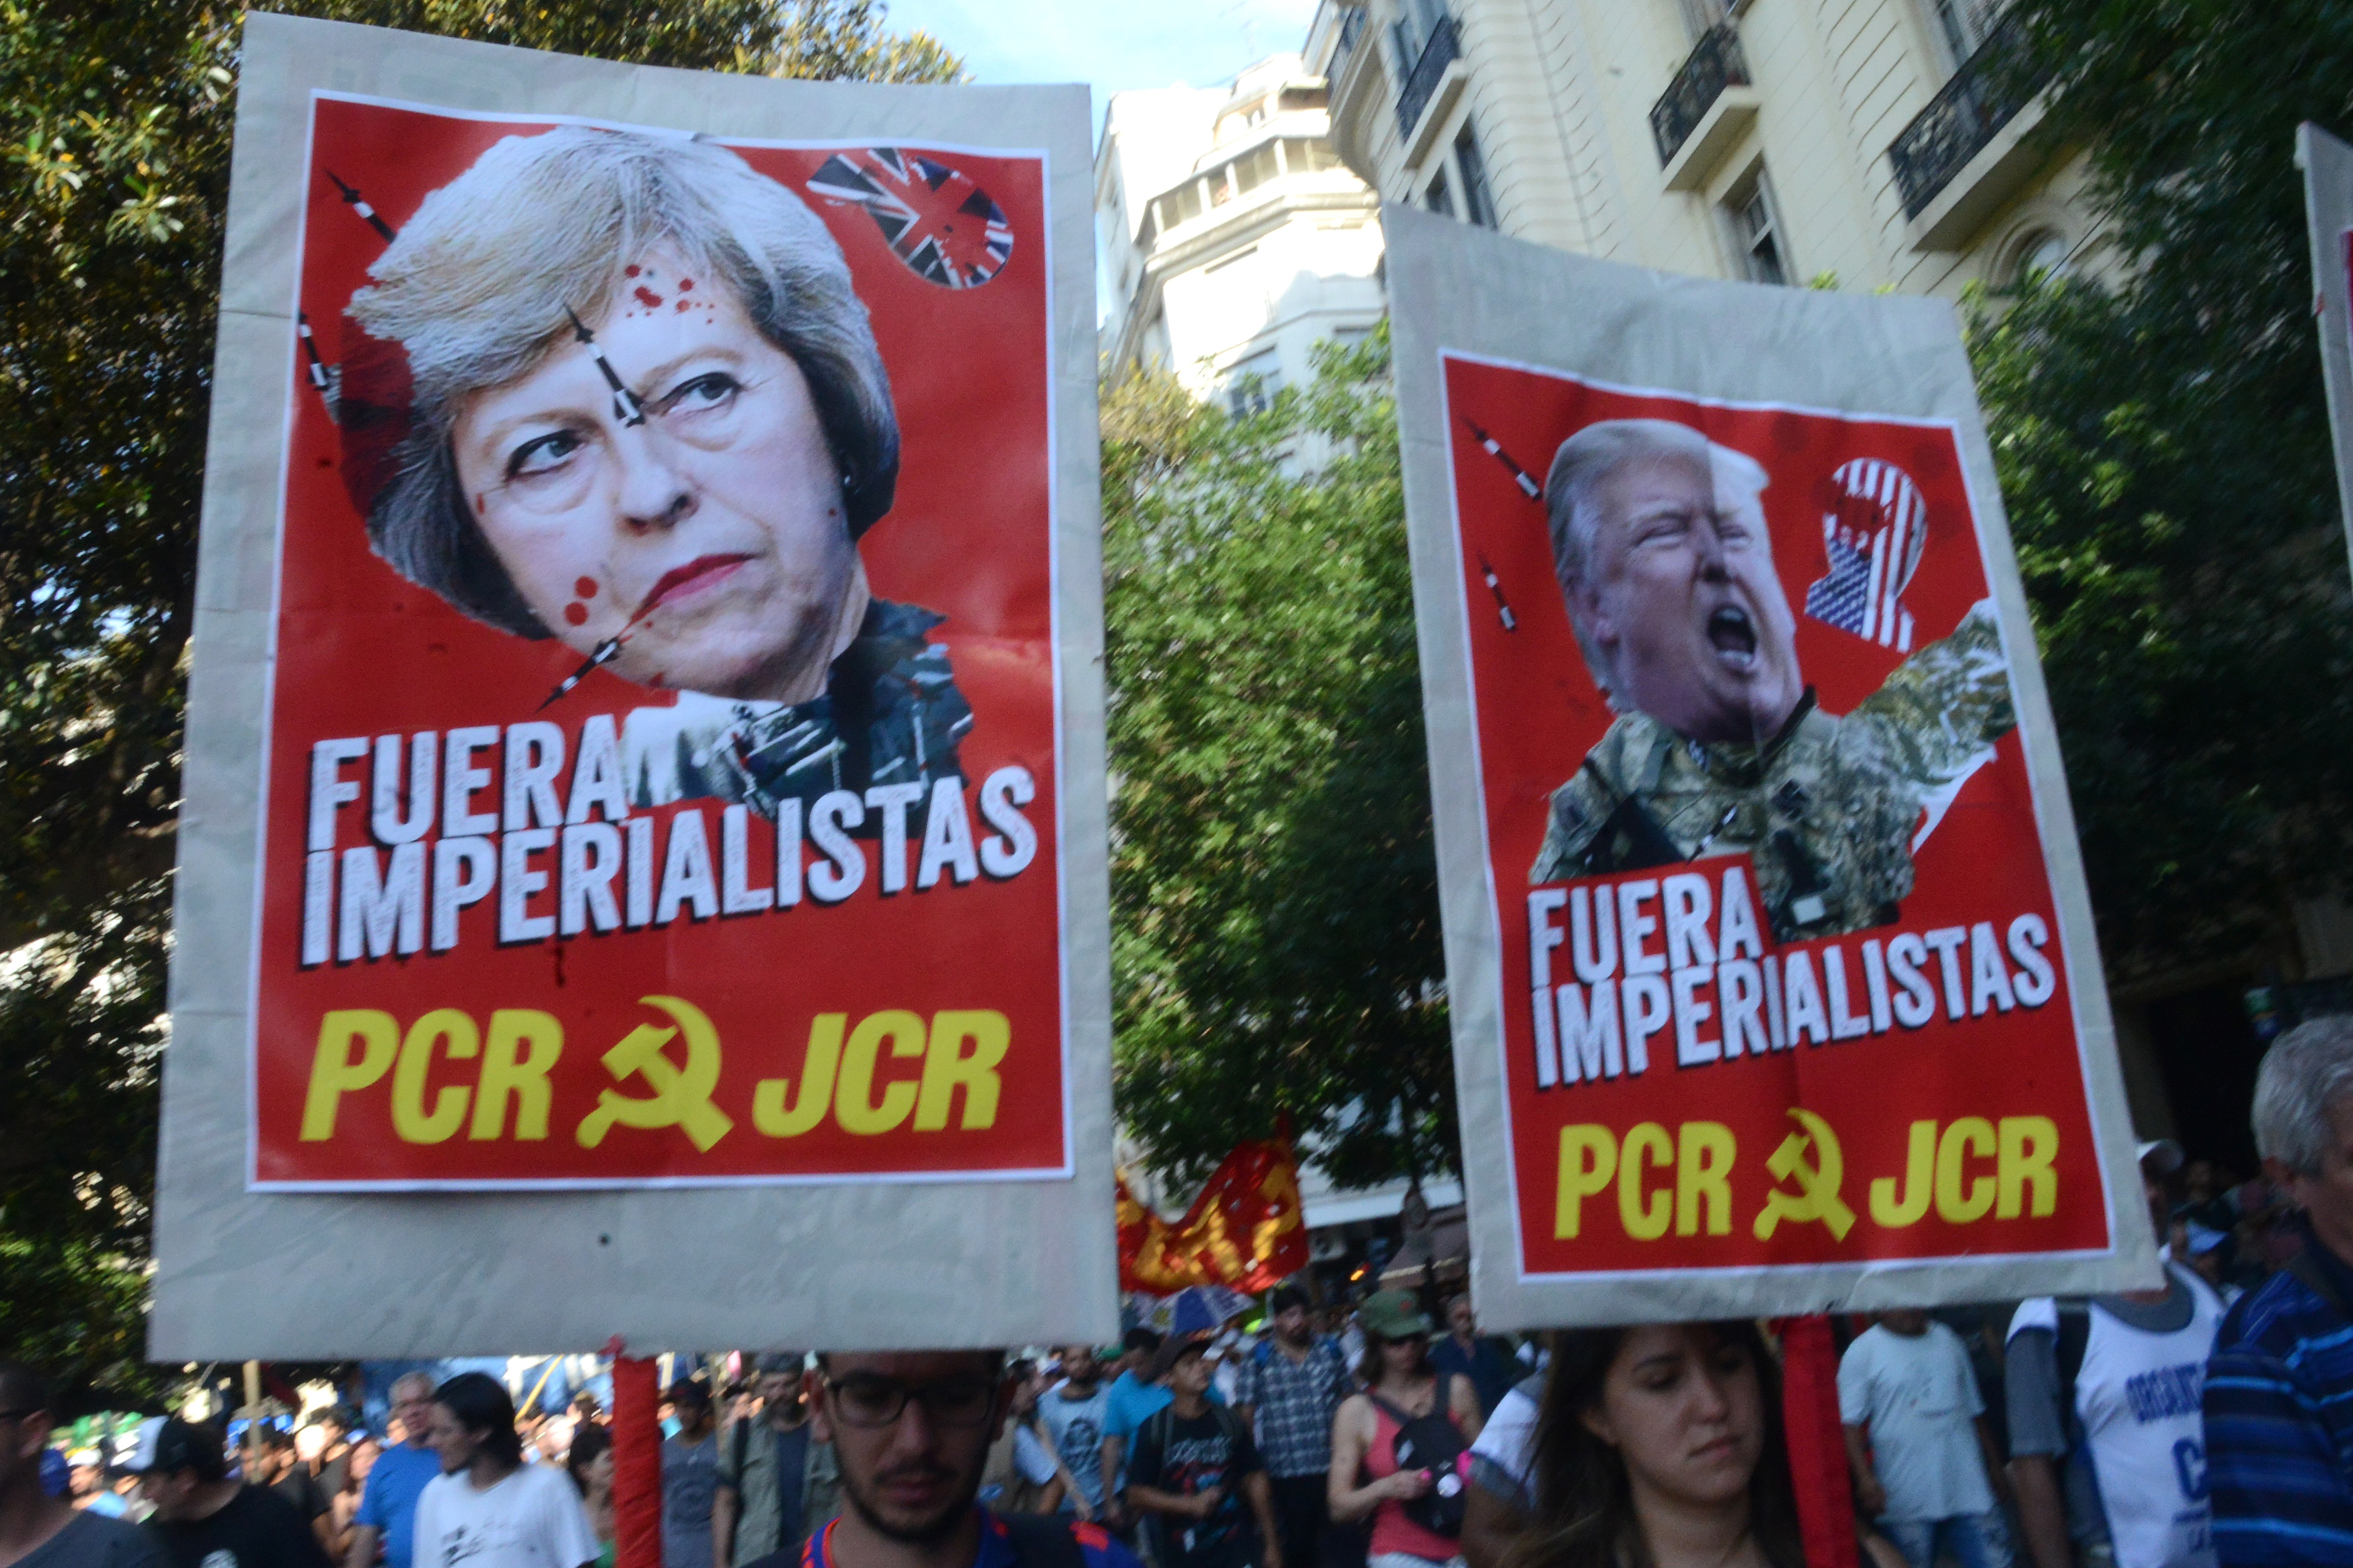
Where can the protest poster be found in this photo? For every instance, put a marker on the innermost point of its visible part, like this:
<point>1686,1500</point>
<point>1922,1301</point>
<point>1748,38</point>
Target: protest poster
<point>1772,974</point>
<point>644,782</point>
<point>2328,166</point>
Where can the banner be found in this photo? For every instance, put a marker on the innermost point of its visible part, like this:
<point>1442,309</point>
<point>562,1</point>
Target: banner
<point>1772,975</point>
<point>2328,166</point>
<point>1247,1231</point>
<point>645,720</point>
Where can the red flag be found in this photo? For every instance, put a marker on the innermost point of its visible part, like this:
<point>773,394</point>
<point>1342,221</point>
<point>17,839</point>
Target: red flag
<point>1246,1231</point>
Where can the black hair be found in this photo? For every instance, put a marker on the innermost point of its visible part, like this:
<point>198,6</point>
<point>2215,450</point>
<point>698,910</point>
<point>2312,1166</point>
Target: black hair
<point>1582,1514</point>
<point>1140,1339</point>
<point>1284,1298</point>
<point>480,1404</point>
<point>588,1440</point>
<point>689,1392</point>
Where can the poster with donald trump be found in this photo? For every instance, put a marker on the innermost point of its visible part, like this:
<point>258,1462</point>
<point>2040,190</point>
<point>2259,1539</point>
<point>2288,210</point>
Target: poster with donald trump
<point>1773,981</point>
<point>646,723</point>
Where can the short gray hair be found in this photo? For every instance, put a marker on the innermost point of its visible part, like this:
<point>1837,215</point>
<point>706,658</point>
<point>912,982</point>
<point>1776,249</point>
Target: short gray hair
<point>1589,457</point>
<point>423,1380</point>
<point>475,293</point>
<point>2305,1068</point>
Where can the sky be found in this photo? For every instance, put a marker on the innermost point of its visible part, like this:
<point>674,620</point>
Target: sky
<point>1110,45</point>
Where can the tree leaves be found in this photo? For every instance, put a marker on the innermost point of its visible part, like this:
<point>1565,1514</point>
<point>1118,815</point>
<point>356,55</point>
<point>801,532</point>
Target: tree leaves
<point>2165,455</point>
<point>1275,945</point>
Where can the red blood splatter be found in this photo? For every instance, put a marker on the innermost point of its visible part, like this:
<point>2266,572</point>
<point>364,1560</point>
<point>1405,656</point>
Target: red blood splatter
<point>682,305</point>
<point>684,284</point>
<point>586,587</point>
<point>481,504</point>
<point>573,615</point>
<point>628,271</point>
<point>647,296</point>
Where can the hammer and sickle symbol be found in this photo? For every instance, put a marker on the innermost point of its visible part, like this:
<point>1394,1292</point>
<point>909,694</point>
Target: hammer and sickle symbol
<point>682,1096</point>
<point>1817,1198</point>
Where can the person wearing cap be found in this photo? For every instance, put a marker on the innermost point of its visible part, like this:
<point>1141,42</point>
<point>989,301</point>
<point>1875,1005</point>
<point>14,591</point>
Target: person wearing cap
<point>38,1530</point>
<point>1401,1390</point>
<point>1193,1466</point>
<point>2105,1439</point>
<point>385,1523</point>
<point>776,1481</point>
<point>690,1475</point>
<point>617,391</point>
<point>487,1509</point>
<point>1134,1396</point>
<point>206,1517</point>
<point>2279,1391</point>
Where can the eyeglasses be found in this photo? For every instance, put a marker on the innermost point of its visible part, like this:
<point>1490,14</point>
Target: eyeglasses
<point>864,1400</point>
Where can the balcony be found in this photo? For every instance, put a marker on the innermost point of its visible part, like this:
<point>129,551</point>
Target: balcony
<point>1715,67</point>
<point>1972,146</point>
<point>1441,50</point>
<point>1352,28</point>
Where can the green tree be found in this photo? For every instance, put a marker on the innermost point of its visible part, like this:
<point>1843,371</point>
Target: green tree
<point>2164,452</point>
<point>1275,946</point>
<point>115,118</point>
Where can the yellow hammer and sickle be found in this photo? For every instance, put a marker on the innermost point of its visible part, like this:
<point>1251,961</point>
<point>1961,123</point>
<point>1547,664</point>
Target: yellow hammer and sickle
<point>1817,1198</point>
<point>682,1096</point>
<point>1281,1189</point>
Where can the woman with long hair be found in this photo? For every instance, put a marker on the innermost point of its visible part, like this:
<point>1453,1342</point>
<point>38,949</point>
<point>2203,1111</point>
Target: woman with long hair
<point>1660,1447</point>
<point>590,1462</point>
<point>1401,1388</point>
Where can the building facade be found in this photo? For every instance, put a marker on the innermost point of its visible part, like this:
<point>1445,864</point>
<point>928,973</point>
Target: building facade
<point>1231,239</point>
<point>1875,142</point>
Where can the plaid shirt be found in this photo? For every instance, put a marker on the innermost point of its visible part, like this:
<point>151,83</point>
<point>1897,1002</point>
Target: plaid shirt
<point>1292,1405</point>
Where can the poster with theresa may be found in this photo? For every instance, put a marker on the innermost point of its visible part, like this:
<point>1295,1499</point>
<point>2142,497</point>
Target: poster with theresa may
<point>646,732</point>
<point>1772,977</point>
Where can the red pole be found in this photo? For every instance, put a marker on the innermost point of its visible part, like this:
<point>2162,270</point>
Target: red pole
<point>637,1463</point>
<point>1809,1414</point>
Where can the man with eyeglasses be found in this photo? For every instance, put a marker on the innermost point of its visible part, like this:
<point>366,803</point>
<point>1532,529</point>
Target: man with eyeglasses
<point>38,1530</point>
<point>912,1431</point>
<point>388,1515</point>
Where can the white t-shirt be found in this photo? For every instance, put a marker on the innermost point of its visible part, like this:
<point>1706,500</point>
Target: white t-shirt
<point>1501,1458</point>
<point>1920,1401</point>
<point>534,1519</point>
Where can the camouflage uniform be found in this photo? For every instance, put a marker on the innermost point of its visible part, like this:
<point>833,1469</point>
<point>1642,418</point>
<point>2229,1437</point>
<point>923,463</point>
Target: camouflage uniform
<point>891,713</point>
<point>1826,808</point>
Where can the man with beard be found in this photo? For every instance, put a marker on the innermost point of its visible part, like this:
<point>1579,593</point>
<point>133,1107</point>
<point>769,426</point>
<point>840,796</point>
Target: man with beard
<point>912,1431</point>
<point>1660,543</point>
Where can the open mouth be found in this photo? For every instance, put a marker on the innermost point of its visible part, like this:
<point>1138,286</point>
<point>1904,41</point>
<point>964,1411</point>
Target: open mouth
<point>1733,635</point>
<point>702,571</point>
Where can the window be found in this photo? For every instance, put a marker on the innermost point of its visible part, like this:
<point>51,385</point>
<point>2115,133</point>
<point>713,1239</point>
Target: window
<point>1251,384</point>
<point>1967,23</point>
<point>1305,98</point>
<point>2040,252</point>
<point>1702,15</point>
<point>1349,337</point>
<point>1760,250</point>
<point>1478,204</point>
<point>1436,198</point>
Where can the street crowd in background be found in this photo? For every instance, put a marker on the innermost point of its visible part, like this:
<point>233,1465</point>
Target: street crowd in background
<point>2207,1421</point>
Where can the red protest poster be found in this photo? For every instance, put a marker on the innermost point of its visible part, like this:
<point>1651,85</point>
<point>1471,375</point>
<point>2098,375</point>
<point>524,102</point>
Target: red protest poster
<point>662,753</point>
<point>1783,984</point>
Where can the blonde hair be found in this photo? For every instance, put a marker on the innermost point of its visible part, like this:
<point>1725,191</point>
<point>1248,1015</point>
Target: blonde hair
<point>479,289</point>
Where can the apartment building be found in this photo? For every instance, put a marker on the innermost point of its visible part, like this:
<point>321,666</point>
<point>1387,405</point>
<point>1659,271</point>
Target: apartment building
<point>1231,239</point>
<point>1780,141</point>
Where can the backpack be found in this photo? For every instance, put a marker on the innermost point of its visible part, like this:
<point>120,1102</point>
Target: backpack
<point>1432,1443</point>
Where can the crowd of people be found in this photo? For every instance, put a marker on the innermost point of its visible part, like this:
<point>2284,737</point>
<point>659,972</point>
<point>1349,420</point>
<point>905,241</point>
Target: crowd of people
<point>2206,1421</point>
